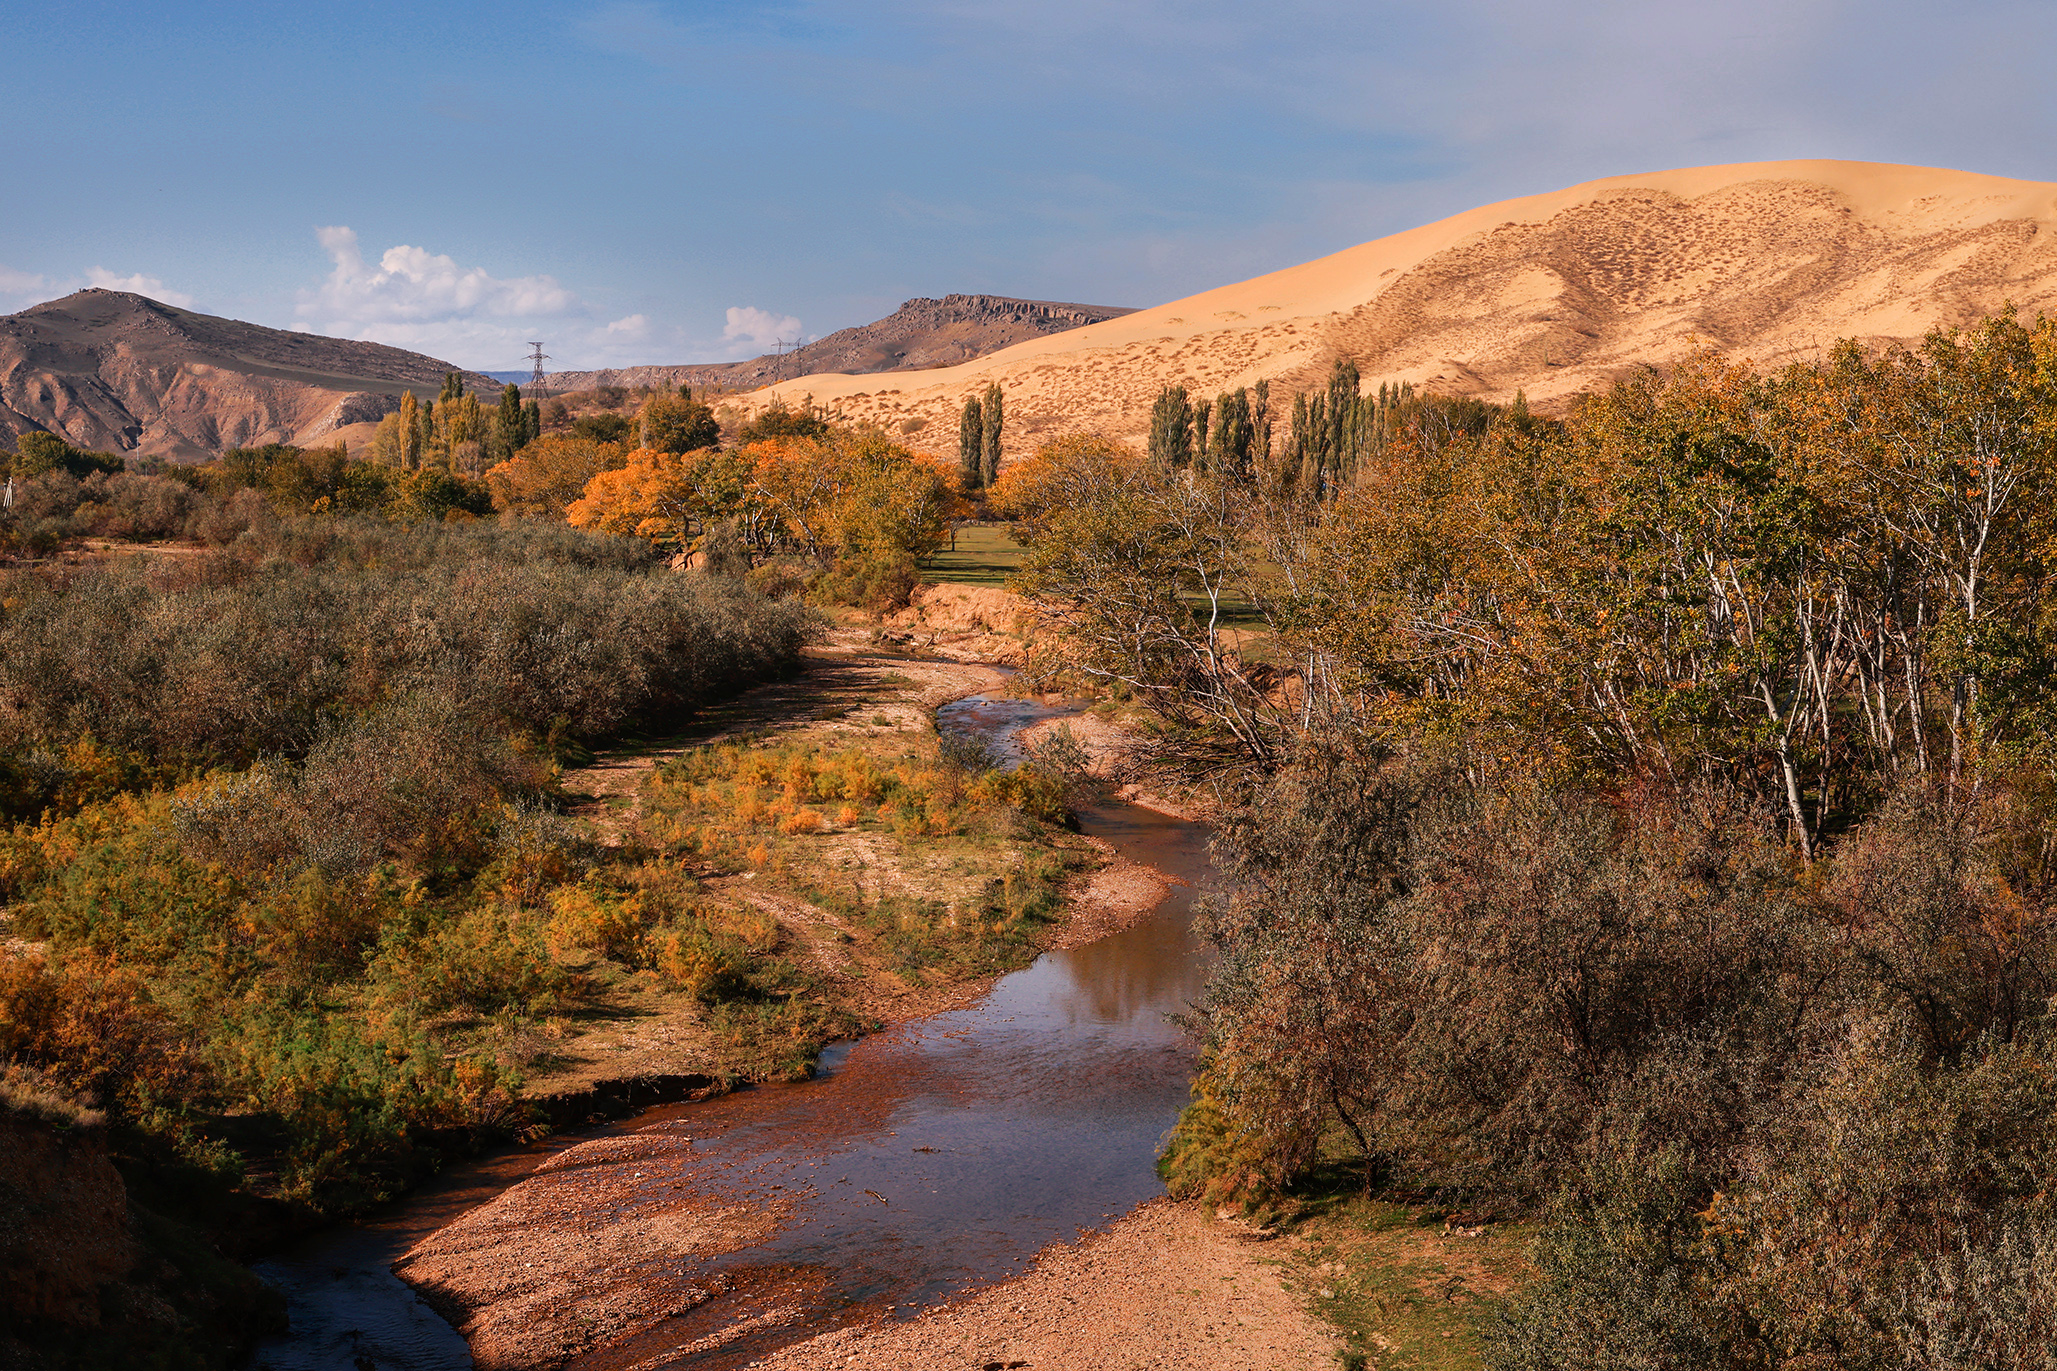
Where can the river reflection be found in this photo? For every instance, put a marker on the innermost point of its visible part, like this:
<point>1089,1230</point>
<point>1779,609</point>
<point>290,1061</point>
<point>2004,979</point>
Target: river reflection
<point>930,1157</point>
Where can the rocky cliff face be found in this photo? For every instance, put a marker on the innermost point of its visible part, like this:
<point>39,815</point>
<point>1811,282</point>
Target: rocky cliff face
<point>87,1279</point>
<point>116,372</point>
<point>921,333</point>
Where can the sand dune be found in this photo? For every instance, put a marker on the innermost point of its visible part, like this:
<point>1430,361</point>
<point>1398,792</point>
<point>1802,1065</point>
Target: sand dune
<point>1552,294</point>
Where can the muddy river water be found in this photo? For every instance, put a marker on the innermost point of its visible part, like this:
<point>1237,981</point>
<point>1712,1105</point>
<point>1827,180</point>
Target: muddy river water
<point>921,1160</point>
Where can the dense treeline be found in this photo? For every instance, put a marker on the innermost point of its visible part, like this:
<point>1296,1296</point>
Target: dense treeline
<point>797,504</point>
<point>94,495</point>
<point>1649,815</point>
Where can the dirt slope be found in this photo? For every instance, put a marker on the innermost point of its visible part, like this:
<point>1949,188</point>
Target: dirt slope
<point>117,372</point>
<point>920,334</point>
<point>1553,294</point>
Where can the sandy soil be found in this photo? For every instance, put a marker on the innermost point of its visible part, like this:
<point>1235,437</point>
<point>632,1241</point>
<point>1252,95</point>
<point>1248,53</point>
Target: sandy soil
<point>1165,1287</point>
<point>1553,294</point>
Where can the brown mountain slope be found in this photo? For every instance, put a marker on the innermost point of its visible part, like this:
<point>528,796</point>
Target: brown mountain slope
<point>117,372</point>
<point>1553,294</point>
<point>920,334</point>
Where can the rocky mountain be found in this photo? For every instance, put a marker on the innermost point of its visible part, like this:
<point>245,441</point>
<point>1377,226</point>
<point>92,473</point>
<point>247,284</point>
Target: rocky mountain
<point>116,372</point>
<point>1553,294</point>
<point>921,333</point>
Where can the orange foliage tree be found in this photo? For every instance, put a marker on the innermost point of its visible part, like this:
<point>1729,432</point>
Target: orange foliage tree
<point>848,496</point>
<point>547,476</point>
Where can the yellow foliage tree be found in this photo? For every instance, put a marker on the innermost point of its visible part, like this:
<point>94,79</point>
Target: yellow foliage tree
<point>550,474</point>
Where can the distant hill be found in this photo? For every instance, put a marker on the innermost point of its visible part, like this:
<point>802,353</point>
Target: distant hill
<point>1553,294</point>
<point>921,333</point>
<point>117,372</point>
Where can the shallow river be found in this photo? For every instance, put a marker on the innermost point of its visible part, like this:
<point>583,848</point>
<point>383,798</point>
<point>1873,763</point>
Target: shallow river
<point>920,1160</point>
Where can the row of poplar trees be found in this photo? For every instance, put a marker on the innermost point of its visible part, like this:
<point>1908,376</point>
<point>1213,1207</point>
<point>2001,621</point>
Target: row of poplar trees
<point>978,439</point>
<point>435,432</point>
<point>1230,434</point>
<point>1332,432</point>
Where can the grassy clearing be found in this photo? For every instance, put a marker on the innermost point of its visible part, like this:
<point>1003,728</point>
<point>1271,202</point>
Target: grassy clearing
<point>979,555</point>
<point>1407,1282</point>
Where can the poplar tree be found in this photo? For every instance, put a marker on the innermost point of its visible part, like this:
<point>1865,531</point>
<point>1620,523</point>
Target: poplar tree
<point>1228,452</point>
<point>532,421</point>
<point>1260,425</point>
<point>410,432</point>
<point>1203,415</point>
<point>1345,421</point>
<point>425,443</point>
<point>1171,429</point>
<point>510,428</point>
<point>992,419</point>
<point>971,445</point>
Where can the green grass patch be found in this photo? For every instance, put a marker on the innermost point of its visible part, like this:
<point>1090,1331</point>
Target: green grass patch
<point>981,555</point>
<point>1406,1283</point>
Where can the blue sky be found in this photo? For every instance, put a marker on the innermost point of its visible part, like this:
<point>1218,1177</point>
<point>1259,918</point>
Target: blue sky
<point>674,180</point>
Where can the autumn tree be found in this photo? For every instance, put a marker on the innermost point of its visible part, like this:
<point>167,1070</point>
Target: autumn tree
<point>410,433</point>
<point>548,475</point>
<point>1137,566</point>
<point>667,497</point>
<point>677,423</point>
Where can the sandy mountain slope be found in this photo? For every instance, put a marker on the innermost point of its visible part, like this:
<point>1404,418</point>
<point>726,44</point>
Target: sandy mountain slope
<point>921,333</point>
<point>117,372</point>
<point>1554,294</point>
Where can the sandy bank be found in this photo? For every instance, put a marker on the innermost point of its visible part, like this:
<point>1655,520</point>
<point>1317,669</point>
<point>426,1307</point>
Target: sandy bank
<point>1164,1287</point>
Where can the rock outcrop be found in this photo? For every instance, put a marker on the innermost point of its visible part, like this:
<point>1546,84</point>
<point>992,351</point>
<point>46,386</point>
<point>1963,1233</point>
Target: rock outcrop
<point>921,333</point>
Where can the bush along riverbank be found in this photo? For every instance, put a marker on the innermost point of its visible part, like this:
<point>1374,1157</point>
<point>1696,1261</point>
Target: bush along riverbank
<point>287,870</point>
<point>303,940</point>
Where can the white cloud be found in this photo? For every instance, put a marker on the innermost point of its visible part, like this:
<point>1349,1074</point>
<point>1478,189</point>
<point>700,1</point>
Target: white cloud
<point>428,302</point>
<point>760,328</point>
<point>412,285</point>
<point>138,284</point>
<point>20,289</point>
<point>14,282</point>
<point>414,298</point>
